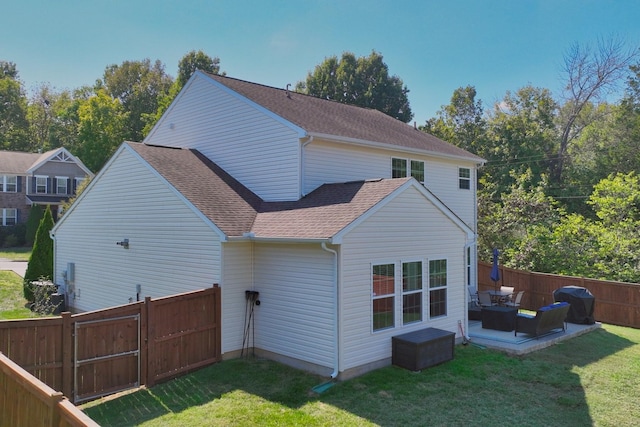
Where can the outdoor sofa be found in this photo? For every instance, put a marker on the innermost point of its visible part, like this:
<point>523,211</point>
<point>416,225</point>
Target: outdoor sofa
<point>547,318</point>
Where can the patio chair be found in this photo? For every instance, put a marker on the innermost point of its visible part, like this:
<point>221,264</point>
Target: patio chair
<point>473,299</point>
<point>485,299</point>
<point>509,290</point>
<point>516,302</point>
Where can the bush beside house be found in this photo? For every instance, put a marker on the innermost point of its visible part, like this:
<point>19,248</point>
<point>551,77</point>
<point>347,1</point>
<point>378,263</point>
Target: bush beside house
<point>41,261</point>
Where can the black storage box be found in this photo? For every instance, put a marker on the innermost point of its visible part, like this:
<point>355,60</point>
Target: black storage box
<point>499,318</point>
<point>421,349</point>
<point>582,304</point>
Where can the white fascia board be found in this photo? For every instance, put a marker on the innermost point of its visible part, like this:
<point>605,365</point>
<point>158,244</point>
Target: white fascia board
<point>211,224</point>
<point>277,239</point>
<point>337,238</point>
<point>52,154</point>
<point>385,146</point>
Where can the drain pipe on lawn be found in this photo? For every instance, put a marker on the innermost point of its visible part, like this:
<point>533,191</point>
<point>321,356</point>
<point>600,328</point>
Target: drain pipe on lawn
<point>336,356</point>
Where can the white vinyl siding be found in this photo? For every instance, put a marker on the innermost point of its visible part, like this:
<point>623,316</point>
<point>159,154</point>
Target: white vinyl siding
<point>396,234</point>
<point>171,248</point>
<point>237,278</point>
<point>296,314</point>
<point>254,148</point>
<point>327,162</point>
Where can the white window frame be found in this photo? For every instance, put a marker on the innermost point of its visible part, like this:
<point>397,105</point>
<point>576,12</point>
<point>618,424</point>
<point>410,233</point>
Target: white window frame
<point>408,166</point>
<point>66,184</point>
<point>413,291</point>
<point>6,216</point>
<point>444,287</point>
<point>375,297</point>
<point>462,179</point>
<point>37,185</point>
<point>10,180</point>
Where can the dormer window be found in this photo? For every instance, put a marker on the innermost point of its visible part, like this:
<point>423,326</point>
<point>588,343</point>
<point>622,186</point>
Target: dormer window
<point>401,168</point>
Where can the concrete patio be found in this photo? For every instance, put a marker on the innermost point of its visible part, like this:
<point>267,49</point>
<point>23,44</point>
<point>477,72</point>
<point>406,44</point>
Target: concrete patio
<point>523,343</point>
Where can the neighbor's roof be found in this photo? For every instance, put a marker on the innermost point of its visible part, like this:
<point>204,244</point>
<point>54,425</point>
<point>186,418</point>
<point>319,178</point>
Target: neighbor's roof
<point>18,162</point>
<point>324,117</point>
<point>236,210</point>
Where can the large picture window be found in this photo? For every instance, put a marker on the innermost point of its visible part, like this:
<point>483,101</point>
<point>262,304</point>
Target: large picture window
<point>411,292</point>
<point>437,288</point>
<point>383,291</point>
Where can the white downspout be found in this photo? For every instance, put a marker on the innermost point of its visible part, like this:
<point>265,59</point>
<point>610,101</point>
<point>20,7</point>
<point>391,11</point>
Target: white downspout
<point>336,360</point>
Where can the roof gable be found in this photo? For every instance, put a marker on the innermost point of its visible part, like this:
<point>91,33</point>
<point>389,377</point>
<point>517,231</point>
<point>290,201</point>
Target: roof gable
<point>339,121</point>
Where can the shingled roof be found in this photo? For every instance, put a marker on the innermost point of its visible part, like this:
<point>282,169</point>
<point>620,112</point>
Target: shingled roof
<point>236,210</point>
<point>18,162</point>
<point>319,116</point>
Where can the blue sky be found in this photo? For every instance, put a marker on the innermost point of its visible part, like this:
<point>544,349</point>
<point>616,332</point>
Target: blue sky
<point>433,46</point>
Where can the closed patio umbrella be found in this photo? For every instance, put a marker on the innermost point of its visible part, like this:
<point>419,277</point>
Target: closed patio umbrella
<point>495,271</point>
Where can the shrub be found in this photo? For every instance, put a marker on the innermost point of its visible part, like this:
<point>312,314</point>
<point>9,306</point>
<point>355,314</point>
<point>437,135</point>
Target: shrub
<point>32,224</point>
<point>41,261</point>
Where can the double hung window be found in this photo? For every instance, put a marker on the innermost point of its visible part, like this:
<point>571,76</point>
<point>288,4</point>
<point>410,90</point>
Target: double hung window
<point>41,184</point>
<point>401,168</point>
<point>411,292</point>
<point>464,178</point>
<point>10,183</point>
<point>437,288</point>
<point>383,294</point>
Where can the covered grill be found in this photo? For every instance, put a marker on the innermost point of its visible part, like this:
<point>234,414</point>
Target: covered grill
<point>582,304</point>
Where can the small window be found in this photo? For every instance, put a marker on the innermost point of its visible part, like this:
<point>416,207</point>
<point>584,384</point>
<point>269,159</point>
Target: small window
<point>411,292</point>
<point>464,178</point>
<point>62,185</point>
<point>437,288</point>
<point>398,168</point>
<point>10,184</point>
<point>383,290</point>
<point>41,184</point>
<point>9,216</point>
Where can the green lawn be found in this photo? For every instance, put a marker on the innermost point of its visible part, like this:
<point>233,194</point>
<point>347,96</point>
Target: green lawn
<point>16,254</point>
<point>589,380</point>
<point>12,302</point>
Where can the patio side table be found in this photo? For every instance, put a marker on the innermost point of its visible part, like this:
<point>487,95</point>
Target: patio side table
<point>499,318</point>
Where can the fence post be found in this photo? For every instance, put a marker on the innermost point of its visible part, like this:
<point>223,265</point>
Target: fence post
<point>67,358</point>
<point>151,335</point>
<point>144,345</point>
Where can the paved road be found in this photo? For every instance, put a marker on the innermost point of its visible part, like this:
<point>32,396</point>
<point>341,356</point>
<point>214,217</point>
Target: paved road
<point>20,267</point>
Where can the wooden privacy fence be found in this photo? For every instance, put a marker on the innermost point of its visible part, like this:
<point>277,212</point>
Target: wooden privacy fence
<point>616,303</point>
<point>97,353</point>
<point>26,401</point>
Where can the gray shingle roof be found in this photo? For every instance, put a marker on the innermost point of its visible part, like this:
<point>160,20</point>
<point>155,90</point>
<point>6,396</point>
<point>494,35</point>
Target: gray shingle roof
<point>17,162</point>
<point>236,210</point>
<point>321,116</point>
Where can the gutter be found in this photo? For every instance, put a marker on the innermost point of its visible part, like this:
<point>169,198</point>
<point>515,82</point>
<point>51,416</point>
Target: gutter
<point>302,163</point>
<point>336,360</point>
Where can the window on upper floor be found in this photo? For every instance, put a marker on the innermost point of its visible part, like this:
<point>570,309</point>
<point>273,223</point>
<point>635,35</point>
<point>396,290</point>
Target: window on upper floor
<point>10,183</point>
<point>401,168</point>
<point>9,216</point>
<point>62,185</point>
<point>464,178</point>
<point>437,288</point>
<point>41,184</point>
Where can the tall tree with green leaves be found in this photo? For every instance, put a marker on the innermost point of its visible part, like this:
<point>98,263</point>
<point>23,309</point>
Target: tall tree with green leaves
<point>101,130</point>
<point>138,85</point>
<point>363,81</point>
<point>41,259</point>
<point>14,126</point>
<point>462,122</point>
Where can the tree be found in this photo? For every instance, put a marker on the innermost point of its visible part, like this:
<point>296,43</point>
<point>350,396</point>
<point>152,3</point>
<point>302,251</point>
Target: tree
<point>193,61</point>
<point>362,81</point>
<point>138,85</point>
<point>592,74</point>
<point>33,222</point>
<point>101,129</point>
<point>14,125</point>
<point>41,259</point>
<point>521,136</point>
<point>461,122</point>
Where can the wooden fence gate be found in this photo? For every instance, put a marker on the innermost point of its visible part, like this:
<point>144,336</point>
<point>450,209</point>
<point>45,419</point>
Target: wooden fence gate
<point>93,354</point>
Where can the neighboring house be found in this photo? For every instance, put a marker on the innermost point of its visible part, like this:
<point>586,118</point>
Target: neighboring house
<point>29,179</point>
<point>318,206</point>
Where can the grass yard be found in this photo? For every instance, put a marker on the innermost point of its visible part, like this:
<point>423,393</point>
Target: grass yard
<point>16,254</point>
<point>589,380</point>
<point>12,302</point>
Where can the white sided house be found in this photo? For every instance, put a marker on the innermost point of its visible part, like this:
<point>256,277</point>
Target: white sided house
<point>351,226</point>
